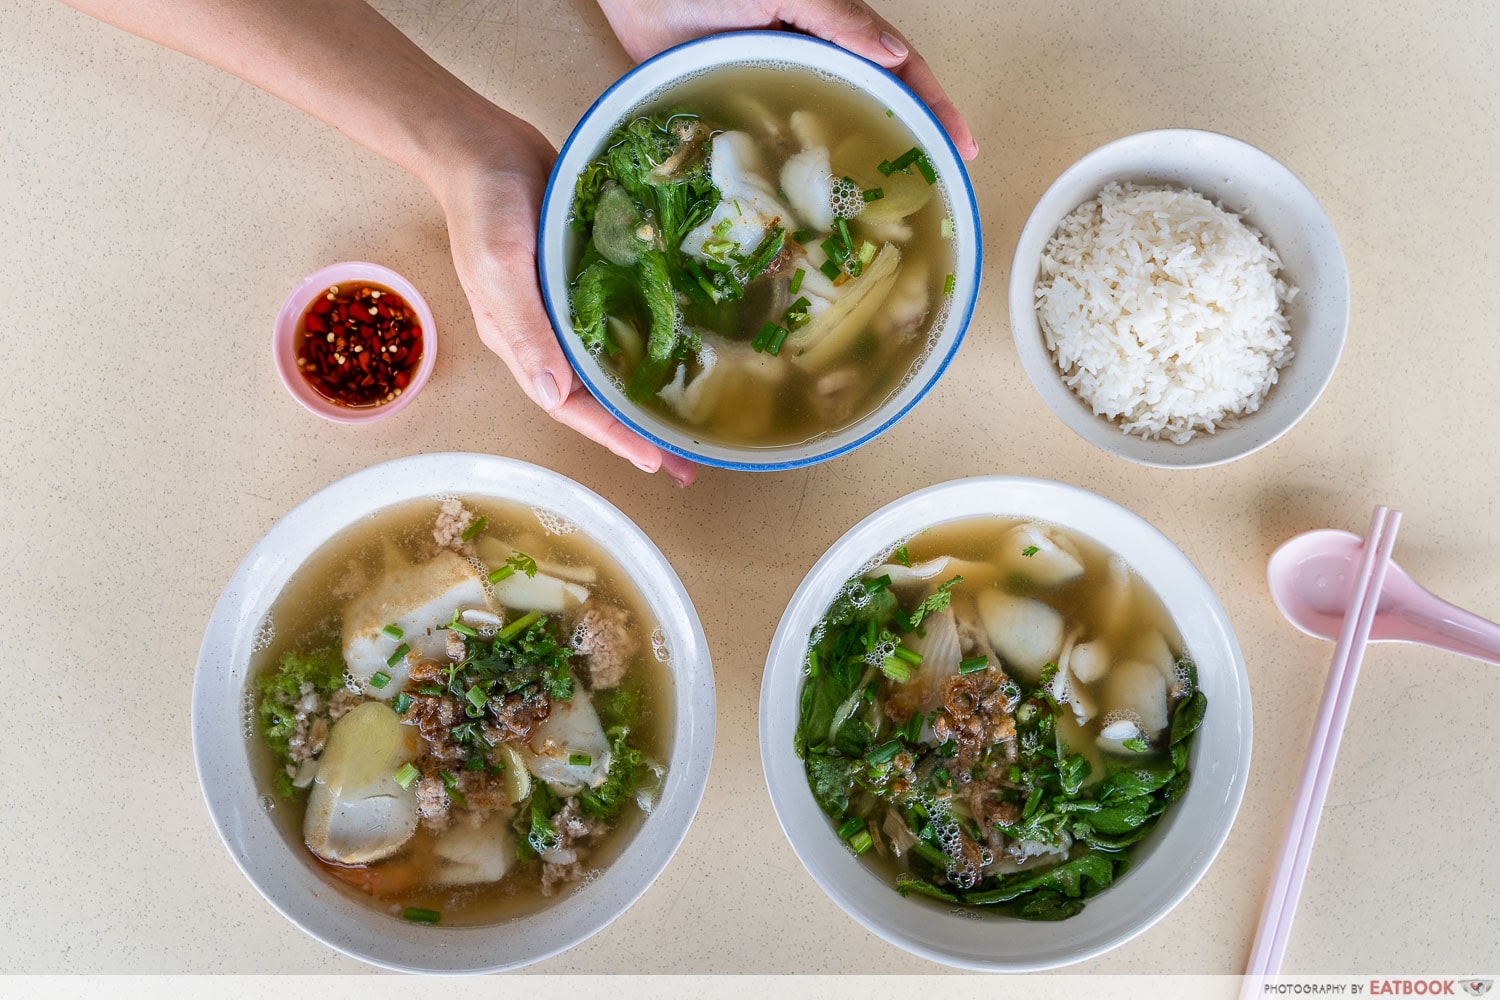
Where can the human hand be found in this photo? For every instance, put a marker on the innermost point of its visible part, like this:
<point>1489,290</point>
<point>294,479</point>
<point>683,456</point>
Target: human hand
<point>646,27</point>
<point>492,197</point>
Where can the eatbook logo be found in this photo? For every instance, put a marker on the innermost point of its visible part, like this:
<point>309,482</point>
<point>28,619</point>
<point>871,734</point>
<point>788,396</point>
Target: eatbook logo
<point>1477,987</point>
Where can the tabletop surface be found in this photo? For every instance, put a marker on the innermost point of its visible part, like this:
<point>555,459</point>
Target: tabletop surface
<point>157,211</point>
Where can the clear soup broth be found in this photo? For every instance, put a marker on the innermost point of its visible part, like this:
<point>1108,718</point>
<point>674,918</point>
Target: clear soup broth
<point>995,713</point>
<point>521,763</point>
<point>762,255</point>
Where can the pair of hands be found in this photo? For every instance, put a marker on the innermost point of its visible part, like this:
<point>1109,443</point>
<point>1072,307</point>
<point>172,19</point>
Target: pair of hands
<point>492,199</point>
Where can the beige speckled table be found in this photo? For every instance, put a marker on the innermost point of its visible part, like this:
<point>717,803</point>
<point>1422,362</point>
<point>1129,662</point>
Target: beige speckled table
<point>155,212</point>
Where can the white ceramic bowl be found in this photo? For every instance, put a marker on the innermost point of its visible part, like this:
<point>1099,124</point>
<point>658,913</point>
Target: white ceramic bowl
<point>780,48</point>
<point>1243,180</point>
<point>1167,864</point>
<point>281,869</point>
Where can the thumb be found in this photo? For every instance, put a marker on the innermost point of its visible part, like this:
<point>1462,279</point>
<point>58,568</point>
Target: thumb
<point>849,24</point>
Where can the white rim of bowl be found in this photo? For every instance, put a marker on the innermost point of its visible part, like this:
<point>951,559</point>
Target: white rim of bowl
<point>229,637</point>
<point>1023,299</point>
<point>981,496</point>
<point>965,211</point>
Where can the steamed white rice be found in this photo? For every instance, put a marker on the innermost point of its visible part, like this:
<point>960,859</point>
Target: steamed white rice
<point>1164,312</point>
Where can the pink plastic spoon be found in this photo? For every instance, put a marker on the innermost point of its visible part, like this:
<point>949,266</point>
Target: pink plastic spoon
<point>1311,576</point>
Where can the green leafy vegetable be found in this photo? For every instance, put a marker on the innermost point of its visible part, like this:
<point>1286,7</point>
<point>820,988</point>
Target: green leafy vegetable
<point>860,760</point>
<point>627,769</point>
<point>278,693</point>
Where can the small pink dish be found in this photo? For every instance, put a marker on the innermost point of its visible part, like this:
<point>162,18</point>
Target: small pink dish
<point>284,336</point>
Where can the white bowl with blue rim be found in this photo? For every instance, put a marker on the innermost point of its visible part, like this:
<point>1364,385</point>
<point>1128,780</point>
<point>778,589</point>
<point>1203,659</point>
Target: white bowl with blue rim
<point>557,243</point>
<point>276,862</point>
<point>1166,865</point>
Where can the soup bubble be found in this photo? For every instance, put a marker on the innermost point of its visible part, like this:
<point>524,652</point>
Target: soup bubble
<point>659,647</point>
<point>552,522</point>
<point>264,636</point>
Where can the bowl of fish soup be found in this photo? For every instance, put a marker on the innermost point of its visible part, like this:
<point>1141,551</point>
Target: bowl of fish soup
<point>758,250</point>
<point>411,767</point>
<point>1005,539</point>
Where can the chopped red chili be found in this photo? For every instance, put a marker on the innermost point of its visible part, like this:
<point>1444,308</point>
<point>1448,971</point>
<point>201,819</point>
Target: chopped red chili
<point>358,344</point>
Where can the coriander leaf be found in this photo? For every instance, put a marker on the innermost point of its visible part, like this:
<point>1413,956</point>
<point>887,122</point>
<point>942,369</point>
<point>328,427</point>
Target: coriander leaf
<point>627,767</point>
<point>830,778</point>
<point>931,604</point>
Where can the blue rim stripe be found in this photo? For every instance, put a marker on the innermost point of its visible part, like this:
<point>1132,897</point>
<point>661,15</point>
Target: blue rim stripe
<point>942,366</point>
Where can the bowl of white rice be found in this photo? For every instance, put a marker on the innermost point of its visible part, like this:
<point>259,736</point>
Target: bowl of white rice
<point>1179,298</point>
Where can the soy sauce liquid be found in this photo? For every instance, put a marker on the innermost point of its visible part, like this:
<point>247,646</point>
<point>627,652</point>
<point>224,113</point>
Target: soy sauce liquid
<point>358,344</point>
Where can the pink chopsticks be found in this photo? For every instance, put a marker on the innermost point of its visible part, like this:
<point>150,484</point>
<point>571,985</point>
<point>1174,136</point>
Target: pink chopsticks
<point>1338,693</point>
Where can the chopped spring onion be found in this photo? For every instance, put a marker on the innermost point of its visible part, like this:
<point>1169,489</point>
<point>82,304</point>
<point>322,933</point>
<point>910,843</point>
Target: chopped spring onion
<point>878,584</point>
<point>932,855</point>
<point>896,669</point>
<point>889,113</point>
<point>579,760</point>
<point>850,827</point>
<point>873,194</point>
<point>518,626</point>
<point>417,915</point>
<point>886,167</point>
<point>884,753</point>
<point>861,841</point>
<point>379,679</point>
<point>774,347</point>
<point>906,159</point>
<point>462,629</point>
<point>1030,551</point>
<point>836,249</point>
<point>763,339</point>
<point>450,782</point>
<point>393,631</point>
<point>430,689</point>
<point>766,252</point>
<point>909,655</point>
<point>398,655</point>
<point>947,228</point>
<point>503,573</point>
<point>479,524</point>
<point>797,314</point>
<point>913,728</point>
<point>803,235</point>
<point>842,226</point>
<point>477,696</point>
<point>973,665</point>
<point>866,253</point>
<point>796,281</point>
<point>831,270</point>
<point>719,248</point>
<point>924,165</point>
<point>948,284</point>
<point>406,774</point>
<point>402,703</point>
